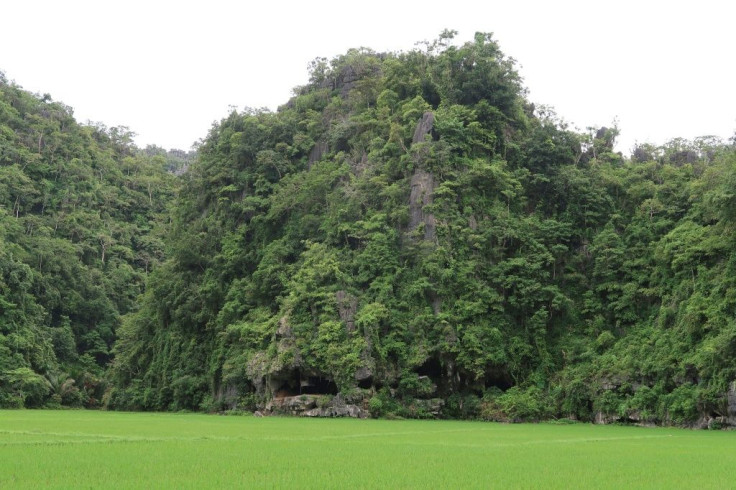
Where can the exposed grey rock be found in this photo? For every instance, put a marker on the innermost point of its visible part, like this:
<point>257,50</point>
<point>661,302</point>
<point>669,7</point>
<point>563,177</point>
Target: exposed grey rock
<point>317,412</point>
<point>731,404</point>
<point>363,372</point>
<point>346,80</point>
<point>635,416</point>
<point>293,405</point>
<point>284,329</point>
<point>604,418</point>
<point>426,123</point>
<point>318,151</point>
<point>422,186</point>
<point>316,406</point>
<point>348,75</point>
<point>702,423</point>
<point>353,411</point>
<point>612,383</point>
<point>422,182</point>
<point>367,363</point>
<point>347,305</point>
<point>473,223</point>
<point>256,370</point>
<point>229,396</point>
<point>436,304</point>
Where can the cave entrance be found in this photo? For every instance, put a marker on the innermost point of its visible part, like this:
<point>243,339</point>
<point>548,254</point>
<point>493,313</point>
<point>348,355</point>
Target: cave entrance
<point>295,382</point>
<point>498,380</point>
<point>317,385</point>
<point>288,384</point>
<point>431,368</point>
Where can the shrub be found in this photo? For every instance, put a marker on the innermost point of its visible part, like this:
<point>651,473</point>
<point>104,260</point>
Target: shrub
<point>248,402</point>
<point>413,385</point>
<point>609,403</point>
<point>681,405</point>
<point>460,406</point>
<point>575,399</point>
<point>517,405</point>
<point>644,402</point>
<point>375,406</point>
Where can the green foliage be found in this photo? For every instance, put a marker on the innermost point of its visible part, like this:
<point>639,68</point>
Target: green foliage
<point>406,229</point>
<point>82,216</point>
<point>375,406</point>
<point>498,252</point>
<point>27,387</point>
<point>462,406</point>
<point>517,405</point>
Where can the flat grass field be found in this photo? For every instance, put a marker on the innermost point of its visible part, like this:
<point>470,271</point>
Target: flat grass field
<point>96,449</point>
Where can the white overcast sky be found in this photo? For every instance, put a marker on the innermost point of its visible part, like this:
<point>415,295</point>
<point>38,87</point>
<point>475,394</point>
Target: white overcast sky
<point>167,70</point>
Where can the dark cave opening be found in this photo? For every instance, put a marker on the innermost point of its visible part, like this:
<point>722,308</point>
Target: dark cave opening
<point>431,368</point>
<point>288,386</point>
<point>498,380</point>
<point>317,385</point>
<point>296,383</point>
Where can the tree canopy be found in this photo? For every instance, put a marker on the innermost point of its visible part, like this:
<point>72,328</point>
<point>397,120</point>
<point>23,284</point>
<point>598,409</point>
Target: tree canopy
<point>83,215</point>
<point>406,228</point>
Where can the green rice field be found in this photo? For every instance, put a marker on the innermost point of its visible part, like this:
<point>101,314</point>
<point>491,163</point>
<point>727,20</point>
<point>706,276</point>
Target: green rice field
<point>95,449</point>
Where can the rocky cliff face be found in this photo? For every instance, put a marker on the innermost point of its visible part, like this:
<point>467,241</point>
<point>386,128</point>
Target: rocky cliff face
<point>422,181</point>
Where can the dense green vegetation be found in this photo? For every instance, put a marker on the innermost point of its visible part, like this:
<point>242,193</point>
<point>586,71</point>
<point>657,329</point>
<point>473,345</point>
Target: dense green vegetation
<point>408,233</point>
<point>138,450</point>
<point>83,214</point>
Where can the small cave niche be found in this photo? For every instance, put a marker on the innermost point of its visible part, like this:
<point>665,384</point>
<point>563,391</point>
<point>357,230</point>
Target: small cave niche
<point>431,368</point>
<point>366,383</point>
<point>353,242</point>
<point>284,391</point>
<point>295,383</point>
<point>501,381</point>
<point>288,384</point>
<point>317,385</point>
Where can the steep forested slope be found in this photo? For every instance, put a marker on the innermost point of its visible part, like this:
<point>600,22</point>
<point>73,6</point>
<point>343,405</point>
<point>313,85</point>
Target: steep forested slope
<point>82,216</point>
<point>407,234</point>
<point>409,228</point>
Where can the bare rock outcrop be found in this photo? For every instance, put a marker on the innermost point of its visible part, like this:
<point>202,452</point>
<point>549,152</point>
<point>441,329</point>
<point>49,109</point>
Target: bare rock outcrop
<point>422,182</point>
<point>319,150</point>
<point>353,411</point>
<point>347,306</point>
<point>367,366</point>
<point>426,123</point>
<point>292,405</point>
<point>314,406</point>
<point>731,400</point>
<point>422,185</point>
